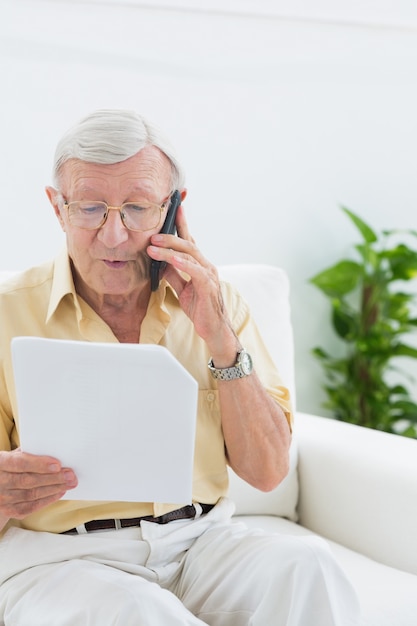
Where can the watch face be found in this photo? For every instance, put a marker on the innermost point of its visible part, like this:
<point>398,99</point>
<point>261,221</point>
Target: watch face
<point>246,363</point>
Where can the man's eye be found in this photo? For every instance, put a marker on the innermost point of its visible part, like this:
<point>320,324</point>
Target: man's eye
<point>135,208</point>
<point>92,209</point>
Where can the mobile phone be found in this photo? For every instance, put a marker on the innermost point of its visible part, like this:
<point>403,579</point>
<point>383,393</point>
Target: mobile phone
<point>168,228</point>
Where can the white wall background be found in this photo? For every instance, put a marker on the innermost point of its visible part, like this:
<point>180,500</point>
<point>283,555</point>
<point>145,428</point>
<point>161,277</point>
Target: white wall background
<point>280,110</point>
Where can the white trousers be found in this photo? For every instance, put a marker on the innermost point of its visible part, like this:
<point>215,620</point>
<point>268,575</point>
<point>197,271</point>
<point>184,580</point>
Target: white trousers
<point>185,573</point>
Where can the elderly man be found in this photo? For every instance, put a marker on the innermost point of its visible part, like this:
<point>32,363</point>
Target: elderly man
<point>69,562</point>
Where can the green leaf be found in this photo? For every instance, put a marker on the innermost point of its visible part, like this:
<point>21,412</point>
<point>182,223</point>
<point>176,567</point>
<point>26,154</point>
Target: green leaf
<point>411,432</point>
<point>399,231</point>
<point>407,408</point>
<point>338,280</point>
<point>402,349</point>
<point>369,255</point>
<point>319,353</point>
<point>403,262</point>
<point>365,230</point>
<point>399,390</point>
<point>344,323</point>
<point>411,419</point>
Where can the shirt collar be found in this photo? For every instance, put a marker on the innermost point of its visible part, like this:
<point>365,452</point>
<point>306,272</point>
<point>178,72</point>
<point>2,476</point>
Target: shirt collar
<point>62,284</point>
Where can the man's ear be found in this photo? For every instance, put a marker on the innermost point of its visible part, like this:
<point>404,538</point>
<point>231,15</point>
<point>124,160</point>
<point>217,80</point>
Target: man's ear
<point>53,197</point>
<point>183,194</point>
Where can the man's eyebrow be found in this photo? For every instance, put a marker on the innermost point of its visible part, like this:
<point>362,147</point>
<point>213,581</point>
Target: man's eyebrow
<point>85,189</point>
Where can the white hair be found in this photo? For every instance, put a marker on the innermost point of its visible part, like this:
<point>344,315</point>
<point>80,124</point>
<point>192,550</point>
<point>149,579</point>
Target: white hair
<point>110,136</point>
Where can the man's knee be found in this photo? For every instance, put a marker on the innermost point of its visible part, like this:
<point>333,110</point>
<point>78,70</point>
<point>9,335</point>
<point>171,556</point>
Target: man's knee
<point>87,593</point>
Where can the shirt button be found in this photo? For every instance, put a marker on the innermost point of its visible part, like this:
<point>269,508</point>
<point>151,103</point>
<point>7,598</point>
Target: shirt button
<point>211,396</point>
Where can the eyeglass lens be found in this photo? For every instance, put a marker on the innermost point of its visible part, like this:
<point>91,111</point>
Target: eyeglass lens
<point>92,215</point>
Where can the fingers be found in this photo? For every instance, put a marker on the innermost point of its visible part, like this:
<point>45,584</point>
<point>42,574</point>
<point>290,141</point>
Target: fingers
<point>33,500</point>
<point>183,257</point>
<point>168,247</point>
<point>180,251</point>
<point>181,254</point>
<point>18,462</point>
<point>29,482</point>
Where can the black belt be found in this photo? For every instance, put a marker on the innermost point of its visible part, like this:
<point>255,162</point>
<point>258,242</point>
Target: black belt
<point>186,512</point>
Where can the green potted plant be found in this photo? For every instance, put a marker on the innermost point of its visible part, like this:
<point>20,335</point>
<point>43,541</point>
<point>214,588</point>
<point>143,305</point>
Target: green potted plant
<point>372,315</point>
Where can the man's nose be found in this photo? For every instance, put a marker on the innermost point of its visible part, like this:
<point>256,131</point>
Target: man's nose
<point>113,232</point>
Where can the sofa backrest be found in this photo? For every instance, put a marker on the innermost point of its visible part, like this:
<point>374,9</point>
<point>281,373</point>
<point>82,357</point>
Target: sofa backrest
<point>266,289</point>
<point>4,275</point>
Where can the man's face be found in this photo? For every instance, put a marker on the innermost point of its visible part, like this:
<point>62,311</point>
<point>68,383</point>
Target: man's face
<point>112,259</point>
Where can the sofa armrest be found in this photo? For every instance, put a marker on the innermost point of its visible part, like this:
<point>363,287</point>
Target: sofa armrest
<point>358,487</point>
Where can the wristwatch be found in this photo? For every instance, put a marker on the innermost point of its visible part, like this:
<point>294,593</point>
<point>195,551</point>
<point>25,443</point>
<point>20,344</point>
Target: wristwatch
<point>243,367</point>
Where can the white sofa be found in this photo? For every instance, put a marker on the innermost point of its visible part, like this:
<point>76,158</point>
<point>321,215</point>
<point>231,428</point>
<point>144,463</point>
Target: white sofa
<point>354,486</point>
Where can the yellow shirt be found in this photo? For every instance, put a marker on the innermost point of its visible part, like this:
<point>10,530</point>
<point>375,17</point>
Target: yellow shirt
<point>42,302</point>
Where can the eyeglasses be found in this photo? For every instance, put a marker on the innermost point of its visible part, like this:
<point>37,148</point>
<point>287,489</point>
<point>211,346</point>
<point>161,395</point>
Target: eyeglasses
<point>91,215</point>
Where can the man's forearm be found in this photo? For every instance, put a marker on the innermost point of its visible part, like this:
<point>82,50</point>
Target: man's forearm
<point>256,432</point>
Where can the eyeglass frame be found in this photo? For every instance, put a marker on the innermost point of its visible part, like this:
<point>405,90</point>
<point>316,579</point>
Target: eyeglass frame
<point>109,207</point>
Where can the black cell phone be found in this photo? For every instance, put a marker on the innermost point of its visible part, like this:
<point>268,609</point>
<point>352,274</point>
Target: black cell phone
<point>168,228</point>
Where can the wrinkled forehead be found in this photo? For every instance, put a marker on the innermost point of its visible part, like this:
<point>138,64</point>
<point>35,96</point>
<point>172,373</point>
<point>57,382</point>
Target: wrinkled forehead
<point>149,172</point>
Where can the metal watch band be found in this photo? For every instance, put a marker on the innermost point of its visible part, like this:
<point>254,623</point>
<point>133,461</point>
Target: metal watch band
<point>242,368</point>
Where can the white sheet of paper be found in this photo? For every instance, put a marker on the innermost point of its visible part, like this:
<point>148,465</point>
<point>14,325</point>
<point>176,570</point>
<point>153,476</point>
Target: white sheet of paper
<point>122,416</point>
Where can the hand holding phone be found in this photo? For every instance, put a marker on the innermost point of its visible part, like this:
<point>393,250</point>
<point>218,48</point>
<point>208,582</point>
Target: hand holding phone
<point>168,228</point>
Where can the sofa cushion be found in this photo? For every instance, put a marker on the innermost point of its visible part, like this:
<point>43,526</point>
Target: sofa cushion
<point>280,501</point>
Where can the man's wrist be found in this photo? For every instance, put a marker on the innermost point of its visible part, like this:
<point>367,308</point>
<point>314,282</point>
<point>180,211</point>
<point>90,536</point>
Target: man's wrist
<point>224,349</point>
<point>242,367</point>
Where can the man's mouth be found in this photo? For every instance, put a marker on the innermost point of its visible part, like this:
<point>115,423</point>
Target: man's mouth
<point>115,264</point>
